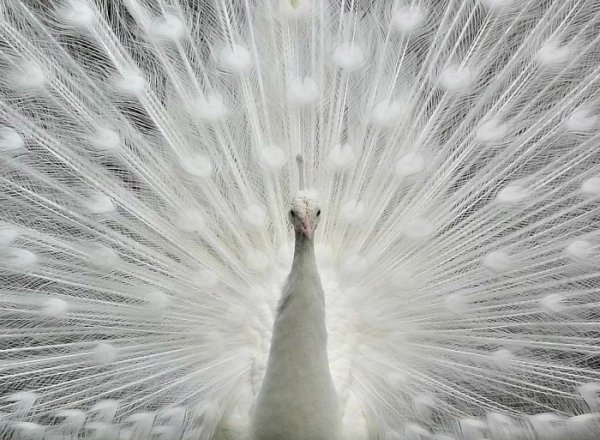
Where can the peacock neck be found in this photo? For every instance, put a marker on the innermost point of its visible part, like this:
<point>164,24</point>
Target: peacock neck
<point>303,290</point>
<point>304,255</point>
<point>301,316</point>
<point>298,400</point>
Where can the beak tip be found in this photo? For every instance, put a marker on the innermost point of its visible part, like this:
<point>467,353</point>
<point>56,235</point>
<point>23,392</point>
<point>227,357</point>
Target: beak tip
<point>308,229</point>
<point>308,232</point>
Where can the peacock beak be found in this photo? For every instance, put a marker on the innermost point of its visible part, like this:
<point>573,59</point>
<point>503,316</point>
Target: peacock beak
<point>308,228</point>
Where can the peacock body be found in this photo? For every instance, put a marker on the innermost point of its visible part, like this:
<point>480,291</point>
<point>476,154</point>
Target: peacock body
<point>146,174</point>
<point>297,399</point>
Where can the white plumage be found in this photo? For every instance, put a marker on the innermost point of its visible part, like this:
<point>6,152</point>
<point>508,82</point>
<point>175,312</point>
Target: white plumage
<point>146,172</point>
<point>298,400</point>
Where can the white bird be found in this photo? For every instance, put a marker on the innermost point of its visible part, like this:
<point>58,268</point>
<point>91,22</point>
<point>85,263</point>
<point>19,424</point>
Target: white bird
<point>146,171</point>
<point>297,399</point>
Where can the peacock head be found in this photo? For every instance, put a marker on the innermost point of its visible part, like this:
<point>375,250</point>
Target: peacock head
<point>305,213</point>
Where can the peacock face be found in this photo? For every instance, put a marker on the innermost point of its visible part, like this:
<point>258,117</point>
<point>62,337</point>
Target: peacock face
<point>305,213</point>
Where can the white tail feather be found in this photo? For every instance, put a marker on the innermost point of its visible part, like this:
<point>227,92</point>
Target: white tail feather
<point>146,167</point>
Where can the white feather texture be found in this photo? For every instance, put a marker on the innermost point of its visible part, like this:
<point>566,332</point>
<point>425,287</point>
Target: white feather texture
<point>146,172</point>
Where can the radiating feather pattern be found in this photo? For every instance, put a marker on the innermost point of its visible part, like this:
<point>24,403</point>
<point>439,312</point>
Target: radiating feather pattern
<point>146,167</point>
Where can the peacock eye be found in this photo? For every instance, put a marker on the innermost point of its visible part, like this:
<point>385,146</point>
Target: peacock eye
<point>318,212</point>
<point>292,213</point>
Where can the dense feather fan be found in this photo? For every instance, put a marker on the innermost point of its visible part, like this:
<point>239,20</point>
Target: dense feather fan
<point>146,166</point>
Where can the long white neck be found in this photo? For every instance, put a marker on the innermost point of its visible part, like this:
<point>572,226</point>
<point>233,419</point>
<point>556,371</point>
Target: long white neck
<point>304,281</point>
<point>297,400</point>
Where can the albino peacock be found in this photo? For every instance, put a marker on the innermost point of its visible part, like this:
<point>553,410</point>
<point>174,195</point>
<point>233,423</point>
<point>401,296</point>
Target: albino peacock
<point>297,399</point>
<point>146,174</point>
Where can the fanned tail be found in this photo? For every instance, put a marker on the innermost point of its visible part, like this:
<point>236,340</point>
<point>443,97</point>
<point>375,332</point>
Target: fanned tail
<point>146,166</point>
